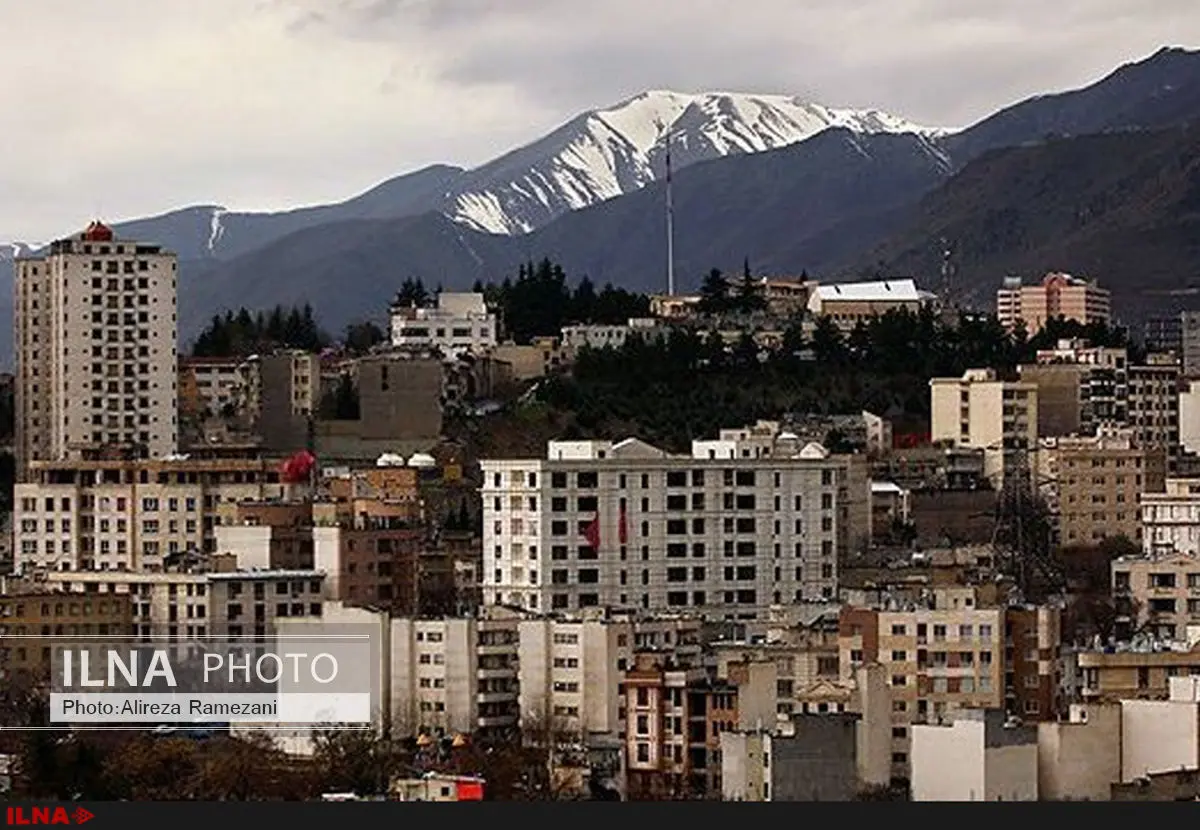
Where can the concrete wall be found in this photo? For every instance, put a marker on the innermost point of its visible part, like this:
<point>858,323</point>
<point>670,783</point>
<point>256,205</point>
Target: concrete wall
<point>818,763</point>
<point>874,726</point>
<point>741,766</point>
<point>1011,772</point>
<point>948,762</point>
<point>1080,759</point>
<point>1158,736</point>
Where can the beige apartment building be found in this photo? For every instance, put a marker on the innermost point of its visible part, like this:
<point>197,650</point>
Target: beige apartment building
<point>455,675</point>
<point>981,411</point>
<point>288,395</point>
<point>96,339</point>
<point>739,525</point>
<point>1141,671</point>
<point>1171,519</point>
<point>128,515</point>
<point>1058,295</point>
<point>180,605</point>
<point>1092,485</point>
<point>937,662</point>
<point>461,322</point>
<point>1163,592</point>
<point>571,668</point>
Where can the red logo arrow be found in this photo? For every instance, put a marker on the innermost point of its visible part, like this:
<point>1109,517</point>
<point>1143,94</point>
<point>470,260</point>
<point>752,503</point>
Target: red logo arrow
<point>81,815</point>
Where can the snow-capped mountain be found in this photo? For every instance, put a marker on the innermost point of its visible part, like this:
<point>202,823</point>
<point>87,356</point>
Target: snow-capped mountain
<point>606,153</point>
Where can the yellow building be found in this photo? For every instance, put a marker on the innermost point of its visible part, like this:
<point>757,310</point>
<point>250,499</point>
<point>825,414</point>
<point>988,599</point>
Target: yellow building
<point>981,411</point>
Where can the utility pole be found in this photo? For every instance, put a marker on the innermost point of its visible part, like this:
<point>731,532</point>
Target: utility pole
<point>670,226</point>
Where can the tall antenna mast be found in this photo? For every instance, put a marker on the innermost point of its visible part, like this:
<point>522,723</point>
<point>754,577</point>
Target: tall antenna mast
<point>670,227</point>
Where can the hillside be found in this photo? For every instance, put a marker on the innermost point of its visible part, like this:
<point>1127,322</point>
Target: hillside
<point>790,202</point>
<point>1122,207</point>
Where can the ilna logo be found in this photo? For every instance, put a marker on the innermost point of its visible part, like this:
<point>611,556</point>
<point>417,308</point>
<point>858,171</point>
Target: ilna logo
<point>47,815</point>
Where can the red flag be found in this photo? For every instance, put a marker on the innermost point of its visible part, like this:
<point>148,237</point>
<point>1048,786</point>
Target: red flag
<point>623,530</point>
<point>592,533</point>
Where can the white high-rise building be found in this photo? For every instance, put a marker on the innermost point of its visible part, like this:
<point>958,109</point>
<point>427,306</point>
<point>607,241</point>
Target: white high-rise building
<point>96,342</point>
<point>744,522</point>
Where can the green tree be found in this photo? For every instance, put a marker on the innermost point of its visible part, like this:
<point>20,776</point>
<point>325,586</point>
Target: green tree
<point>714,293</point>
<point>749,292</point>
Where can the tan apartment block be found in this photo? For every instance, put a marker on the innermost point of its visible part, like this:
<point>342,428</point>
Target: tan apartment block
<point>129,515</point>
<point>96,341</point>
<point>1092,485</point>
<point>30,622</point>
<point>936,662</point>
<point>455,675</point>
<point>1163,592</point>
<point>1135,673</point>
<point>979,410</point>
<point>1058,295</point>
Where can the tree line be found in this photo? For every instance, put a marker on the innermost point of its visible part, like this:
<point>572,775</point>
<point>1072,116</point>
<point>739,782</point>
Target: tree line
<point>689,384</point>
<point>539,302</point>
<point>243,333</point>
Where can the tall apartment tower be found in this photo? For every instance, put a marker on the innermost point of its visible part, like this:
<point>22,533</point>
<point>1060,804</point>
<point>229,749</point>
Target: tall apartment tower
<point>96,343</point>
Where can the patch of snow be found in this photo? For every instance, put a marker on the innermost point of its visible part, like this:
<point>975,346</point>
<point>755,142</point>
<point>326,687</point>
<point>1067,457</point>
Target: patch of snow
<point>617,150</point>
<point>216,229</point>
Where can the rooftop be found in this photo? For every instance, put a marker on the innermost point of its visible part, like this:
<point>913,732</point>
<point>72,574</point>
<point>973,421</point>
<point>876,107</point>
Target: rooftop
<point>902,290</point>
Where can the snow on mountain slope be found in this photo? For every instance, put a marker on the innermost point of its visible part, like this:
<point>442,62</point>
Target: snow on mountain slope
<point>606,153</point>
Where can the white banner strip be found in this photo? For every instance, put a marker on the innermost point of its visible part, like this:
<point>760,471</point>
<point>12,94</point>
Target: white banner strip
<point>183,708</point>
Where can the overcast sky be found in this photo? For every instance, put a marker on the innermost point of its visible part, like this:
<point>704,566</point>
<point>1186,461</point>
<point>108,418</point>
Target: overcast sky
<point>125,108</point>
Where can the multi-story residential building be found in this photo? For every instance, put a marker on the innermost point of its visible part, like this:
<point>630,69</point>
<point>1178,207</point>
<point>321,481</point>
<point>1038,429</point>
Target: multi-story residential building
<point>979,410</point>
<point>1164,335</point>
<point>128,515</point>
<point>1058,295</point>
<point>1154,405</point>
<point>725,532</point>
<point>288,394</point>
<point>571,669</point>
<point>1092,484</point>
<point>29,622</point>
<point>1032,670</point>
<point>181,605</point>
<point>1079,387</point>
<point>937,661</point>
<point>96,341</point>
<point>1162,592</point>
<point>1140,670</point>
<point>848,304</point>
<point>1188,349</point>
<point>674,717</point>
<point>211,386</point>
<point>600,336</point>
<point>456,675</point>
<point>461,322</point>
<point>803,644</point>
<point>246,604</point>
<point>1171,519</point>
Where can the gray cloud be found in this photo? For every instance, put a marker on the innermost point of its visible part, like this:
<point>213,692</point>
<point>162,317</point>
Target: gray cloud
<point>274,103</point>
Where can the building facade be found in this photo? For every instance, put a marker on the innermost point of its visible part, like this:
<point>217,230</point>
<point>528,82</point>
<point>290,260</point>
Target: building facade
<point>979,410</point>
<point>96,343</point>
<point>724,532</point>
<point>461,322</point>
<point>1058,295</point>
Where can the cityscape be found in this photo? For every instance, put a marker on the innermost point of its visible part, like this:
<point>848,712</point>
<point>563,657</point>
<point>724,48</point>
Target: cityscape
<point>629,504</point>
